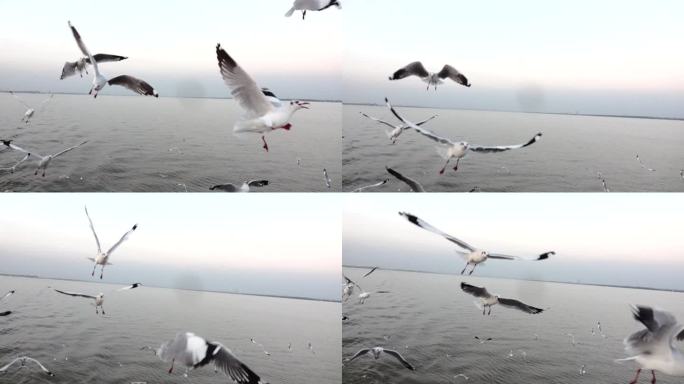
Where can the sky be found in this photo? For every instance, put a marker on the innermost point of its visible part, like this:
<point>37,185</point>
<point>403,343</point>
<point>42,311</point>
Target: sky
<point>272,244</point>
<point>613,239</point>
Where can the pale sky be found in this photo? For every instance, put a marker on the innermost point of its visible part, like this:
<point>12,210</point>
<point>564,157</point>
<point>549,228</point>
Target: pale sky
<point>617,239</point>
<point>273,244</point>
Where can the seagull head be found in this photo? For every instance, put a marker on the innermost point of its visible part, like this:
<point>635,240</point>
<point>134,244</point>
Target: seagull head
<point>296,104</point>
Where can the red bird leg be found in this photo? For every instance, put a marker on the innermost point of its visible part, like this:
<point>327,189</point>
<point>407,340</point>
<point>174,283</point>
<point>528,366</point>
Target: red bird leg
<point>265,144</point>
<point>636,378</point>
<point>171,369</point>
<point>287,126</point>
<point>653,380</point>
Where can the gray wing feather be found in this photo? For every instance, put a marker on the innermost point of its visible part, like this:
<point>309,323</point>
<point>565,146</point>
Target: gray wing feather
<point>224,187</point>
<point>3,369</point>
<point>122,239</point>
<point>237,370</point>
<point>475,291</point>
<point>502,148</point>
<point>519,305</point>
<point>68,149</point>
<point>450,72</point>
<point>400,358</point>
<point>413,184</point>
<point>75,294</point>
<point>420,130</point>
<point>242,87</point>
<point>134,84</point>
<point>92,228</point>
<point>413,69</point>
<point>359,353</point>
<point>421,223</point>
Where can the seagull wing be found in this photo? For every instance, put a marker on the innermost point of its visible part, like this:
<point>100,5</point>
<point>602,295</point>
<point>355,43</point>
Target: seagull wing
<point>500,256</point>
<point>44,102</point>
<point>414,185</point>
<point>12,168</point>
<point>3,369</point>
<point>475,291</point>
<point>20,100</point>
<point>420,130</point>
<point>69,69</point>
<point>242,87</point>
<point>132,286</point>
<point>16,148</point>
<point>224,187</point>
<point>257,183</point>
<point>8,294</point>
<point>92,228</point>
<point>350,281</point>
<point>83,48</point>
<point>359,353</point>
<point>519,305</point>
<point>414,69</point>
<point>502,148</point>
<point>371,186</point>
<point>106,58</point>
<point>134,84</point>
<point>378,120</point>
<point>68,149</point>
<point>122,239</point>
<point>40,365</point>
<point>419,222</point>
<point>231,366</point>
<point>75,294</point>
<point>371,271</point>
<point>426,120</point>
<point>400,358</point>
<point>450,72</point>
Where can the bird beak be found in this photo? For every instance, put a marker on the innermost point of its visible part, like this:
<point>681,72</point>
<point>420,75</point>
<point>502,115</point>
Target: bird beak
<point>303,104</point>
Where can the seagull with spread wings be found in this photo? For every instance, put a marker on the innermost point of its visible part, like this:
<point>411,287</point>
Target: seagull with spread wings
<point>43,161</point>
<point>81,65</point>
<point>8,294</point>
<point>98,299</point>
<point>245,187</point>
<point>30,111</point>
<point>432,79</point>
<point>22,364</point>
<point>488,300</point>
<point>396,130</point>
<point>377,351</point>
<point>102,258</point>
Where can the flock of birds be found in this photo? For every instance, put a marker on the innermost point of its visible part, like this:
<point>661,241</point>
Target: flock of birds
<point>652,348</point>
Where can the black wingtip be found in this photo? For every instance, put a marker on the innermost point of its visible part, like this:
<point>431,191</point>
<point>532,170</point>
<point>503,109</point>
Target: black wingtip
<point>135,227</point>
<point>546,255</point>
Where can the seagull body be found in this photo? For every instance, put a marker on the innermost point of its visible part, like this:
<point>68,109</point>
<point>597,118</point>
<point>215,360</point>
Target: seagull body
<point>265,112</point>
<point>245,187</point>
<point>102,258</point>
<point>653,348</point>
<point>99,298</point>
<point>23,360</point>
<point>312,5</point>
<point>432,79</point>
<point>81,65</point>
<point>99,81</point>
<point>396,130</point>
<point>449,149</point>
<point>194,352</point>
<point>474,256</point>
<point>488,300</point>
<point>377,351</point>
<point>30,111</point>
<point>414,185</point>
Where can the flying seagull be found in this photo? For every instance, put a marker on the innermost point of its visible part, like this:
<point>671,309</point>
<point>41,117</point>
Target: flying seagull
<point>488,300</point>
<point>99,298</point>
<point>474,256</point>
<point>483,340</point>
<point>653,348</point>
<point>396,130</point>
<point>22,361</point>
<point>99,81</point>
<point>43,161</point>
<point>245,187</point>
<point>30,111</point>
<point>603,182</point>
<point>643,165</point>
<point>377,351</point>
<point>375,185</point>
<point>8,294</point>
<point>71,67</point>
<point>371,271</point>
<point>312,5</point>
<point>102,258</point>
<point>363,296</point>
<point>194,352</point>
<point>328,182</point>
<point>449,149</point>
<point>414,185</point>
<point>265,112</point>
<point>128,287</point>
<point>432,79</point>
<point>348,289</point>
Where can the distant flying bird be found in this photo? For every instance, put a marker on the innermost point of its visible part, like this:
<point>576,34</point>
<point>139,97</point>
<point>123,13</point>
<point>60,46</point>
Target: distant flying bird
<point>363,296</point>
<point>99,81</point>
<point>326,178</point>
<point>81,65</point>
<point>348,289</point>
<point>488,300</point>
<point>449,149</point>
<point>265,112</point>
<point>99,298</point>
<point>375,185</point>
<point>129,287</point>
<point>43,161</point>
<point>413,184</point>
<point>603,182</point>
<point>396,130</point>
<point>102,258</point>
<point>371,271</point>
<point>642,164</point>
<point>432,79</point>
<point>8,294</point>
<point>245,187</point>
<point>22,361</point>
<point>312,5</point>
<point>653,348</point>
<point>195,352</point>
<point>377,351</point>
<point>474,256</point>
<point>30,111</point>
<point>483,340</point>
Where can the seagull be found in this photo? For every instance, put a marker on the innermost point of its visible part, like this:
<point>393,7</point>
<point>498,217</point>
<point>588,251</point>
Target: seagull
<point>459,149</point>
<point>377,351</point>
<point>461,375</point>
<point>23,360</point>
<point>572,338</point>
<point>99,81</point>
<point>8,294</point>
<point>310,346</point>
<point>653,348</point>
<point>99,298</point>
<point>262,347</point>
<point>414,185</point>
<point>488,300</point>
<point>642,164</point>
<point>80,65</point>
<point>312,5</point>
<point>328,182</point>
<point>102,258</point>
<point>265,112</point>
<point>378,184</point>
<point>396,129</point>
<point>371,271</point>
<point>43,161</point>
<point>245,187</point>
<point>482,341</point>
<point>432,79</point>
<point>194,352</point>
<point>132,286</point>
<point>363,296</point>
<point>348,289</point>
<point>14,167</point>
<point>583,370</point>
<point>474,256</point>
<point>30,111</point>
<point>603,181</point>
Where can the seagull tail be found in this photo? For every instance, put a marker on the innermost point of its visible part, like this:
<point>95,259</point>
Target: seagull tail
<point>620,361</point>
<point>290,12</point>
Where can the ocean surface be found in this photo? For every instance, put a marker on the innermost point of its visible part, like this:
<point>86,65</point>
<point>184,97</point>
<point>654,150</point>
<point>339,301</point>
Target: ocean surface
<point>567,158</point>
<point>432,323</point>
<point>78,346</point>
<point>143,144</point>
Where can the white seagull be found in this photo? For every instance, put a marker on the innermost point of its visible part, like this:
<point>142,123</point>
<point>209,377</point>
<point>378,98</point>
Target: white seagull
<point>449,149</point>
<point>375,185</point>
<point>363,296</point>
<point>432,79</point>
<point>8,294</point>
<point>348,289</point>
<point>194,352</point>
<point>643,165</point>
<point>71,67</point>
<point>326,178</point>
<point>377,351</point>
<point>474,256</point>
<point>102,258</point>
<point>245,187</point>
<point>99,298</point>
<point>99,81</point>
<point>312,5</point>
<point>30,111</point>
<point>265,112</point>
<point>488,300</point>
<point>653,348</point>
<point>414,185</point>
<point>43,161</point>
<point>396,130</point>
<point>23,360</point>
